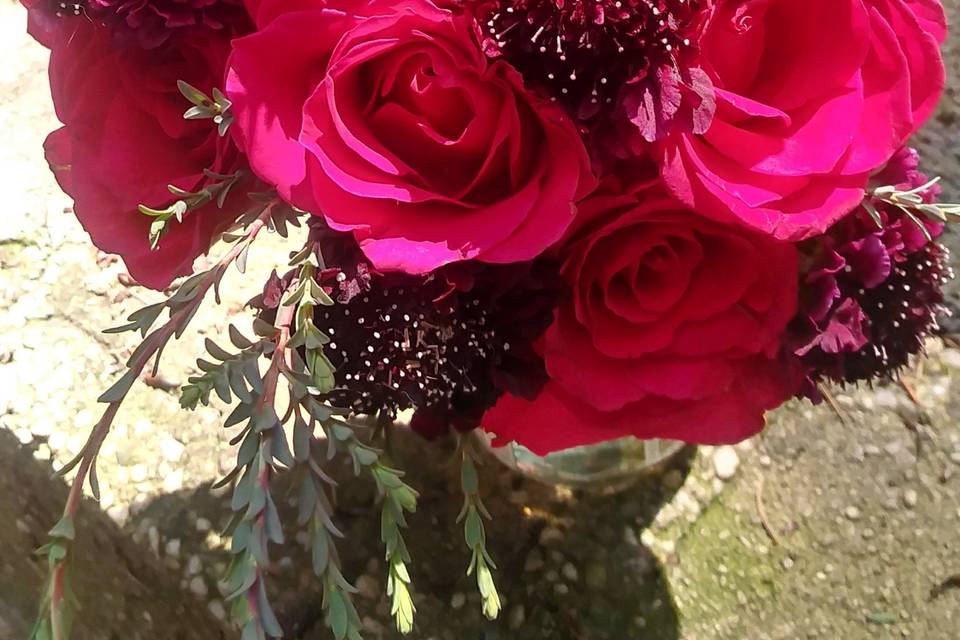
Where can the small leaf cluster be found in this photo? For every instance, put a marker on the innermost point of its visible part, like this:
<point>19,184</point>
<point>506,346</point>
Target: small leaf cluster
<point>216,190</point>
<point>316,513</point>
<point>262,449</point>
<point>307,297</point>
<point>50,624</point>
<point>204,107</point>
<point>397,499</point>
<point>472,515</point>
<point>913,205</point>
<point>232,374</point>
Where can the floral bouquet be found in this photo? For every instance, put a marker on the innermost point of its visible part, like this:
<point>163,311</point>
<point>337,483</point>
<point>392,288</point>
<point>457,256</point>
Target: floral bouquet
<point>561,222</point>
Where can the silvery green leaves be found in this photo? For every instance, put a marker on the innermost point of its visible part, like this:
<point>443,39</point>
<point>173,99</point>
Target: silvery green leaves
<point>57,602</point>
<point>204,107</point>
<point>215,190</point>
<point>54,621</point>
<point>397,499</point>
<point>263,450</point>
<point>229,375</point>
<point>912,204</point>
<point>307,297</point>
<point>472,515</point>
<point>255,524</point>
<point>315,512</point>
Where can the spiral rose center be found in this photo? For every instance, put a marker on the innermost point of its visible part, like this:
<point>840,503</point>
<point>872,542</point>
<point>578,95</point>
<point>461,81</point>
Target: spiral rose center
<point>583,51</point>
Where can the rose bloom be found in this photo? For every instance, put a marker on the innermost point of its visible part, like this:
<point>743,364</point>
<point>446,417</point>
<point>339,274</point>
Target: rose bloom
<point>387,118</point>
<point>124,139</point>
<point>812,96</point>
<point>671,331</point>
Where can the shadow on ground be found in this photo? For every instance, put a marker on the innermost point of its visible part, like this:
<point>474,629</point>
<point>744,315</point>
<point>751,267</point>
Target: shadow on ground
<point>570,565</point>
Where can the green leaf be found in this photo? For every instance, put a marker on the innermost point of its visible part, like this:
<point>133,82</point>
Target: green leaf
<point>243,490</point>
<point>488,591</point>
<point>274,528</point>
<point>64,529</point>
<point>251,631</point>
<point>199,113</point>
<point>320,552</point>
<point>294,296</point>
<point>217,352</point>
<point>365,456</point>
<point>337,615</point>
<point>190,397</point>
<point>241,537</point>
<point>193,94</point>
<point>302,437</point>
<point>321,370</point>
<point>468,476</point>
<point>266,419</point>
<point>281,450</point>
<point>120,388</point>
<point>238,339</point>
<point>267,617</point>
<point>473,530</point>
<point>240,413</point>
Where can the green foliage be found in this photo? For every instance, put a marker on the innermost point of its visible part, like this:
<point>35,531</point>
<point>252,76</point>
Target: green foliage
<point>204,107</point>
<point>215,190</point>
<point>231,374</point>
<point>472,515</point>
<point>911,204</point>
<point>54,621</point>
<point>397,499</point>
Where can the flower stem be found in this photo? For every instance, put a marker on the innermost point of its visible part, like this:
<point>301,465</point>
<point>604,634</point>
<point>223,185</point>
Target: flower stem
<point>151,346</point>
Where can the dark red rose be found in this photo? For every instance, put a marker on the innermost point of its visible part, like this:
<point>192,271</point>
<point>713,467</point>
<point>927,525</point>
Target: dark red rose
<point>672,331</point>
<point>124,140</point>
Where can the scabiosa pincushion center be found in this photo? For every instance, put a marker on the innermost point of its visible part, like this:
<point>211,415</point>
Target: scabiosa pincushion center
<point>583,52</point>
<point>445,345</point>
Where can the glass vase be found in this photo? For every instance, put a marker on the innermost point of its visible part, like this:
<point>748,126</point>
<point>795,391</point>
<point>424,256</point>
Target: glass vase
<point>606,467</point>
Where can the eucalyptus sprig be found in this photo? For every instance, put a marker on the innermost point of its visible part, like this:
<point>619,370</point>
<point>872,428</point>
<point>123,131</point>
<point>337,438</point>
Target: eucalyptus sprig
<point>913,205</point>
<point>56,605</point>
<point>472,516</point>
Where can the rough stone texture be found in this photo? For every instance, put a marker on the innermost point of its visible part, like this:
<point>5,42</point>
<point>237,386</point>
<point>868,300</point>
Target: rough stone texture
<point>126,593</point>
<point>865,512</point>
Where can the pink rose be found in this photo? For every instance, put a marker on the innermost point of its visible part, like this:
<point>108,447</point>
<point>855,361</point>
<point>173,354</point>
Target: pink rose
<point>387,118</point>
<point>812,96</point>
<point>672,331</point>
<point>124,140</point>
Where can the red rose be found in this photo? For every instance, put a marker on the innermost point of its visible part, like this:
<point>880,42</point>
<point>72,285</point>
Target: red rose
<point>387,118</point>
<point>812,96</point>
<point>671,331</point>
<point>125,139</point>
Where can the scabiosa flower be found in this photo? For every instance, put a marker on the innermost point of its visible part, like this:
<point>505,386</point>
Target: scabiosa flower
<point>635,58</point>
<point>446,345</point>
<point>150,23</point>
<point>869,294</point>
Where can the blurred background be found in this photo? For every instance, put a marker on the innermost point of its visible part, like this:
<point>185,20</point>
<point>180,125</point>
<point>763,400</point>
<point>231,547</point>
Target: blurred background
<point>837,522</point>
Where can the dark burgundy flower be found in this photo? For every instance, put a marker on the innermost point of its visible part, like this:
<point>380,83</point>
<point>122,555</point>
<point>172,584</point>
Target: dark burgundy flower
<point>869,294</point>
<point>635,58</point>
<point>150,23</point>
<point>446,345</point>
